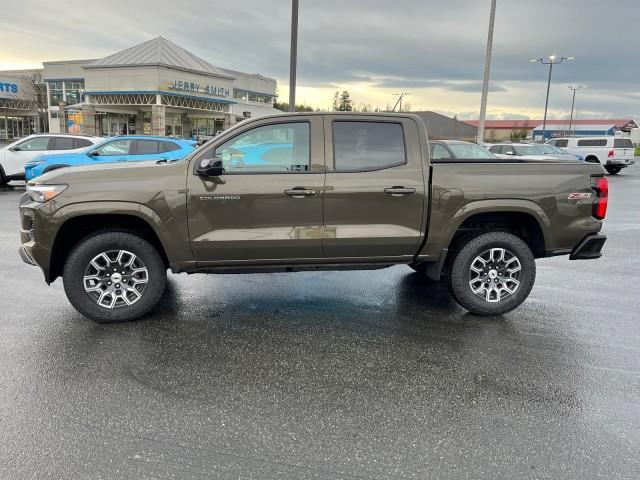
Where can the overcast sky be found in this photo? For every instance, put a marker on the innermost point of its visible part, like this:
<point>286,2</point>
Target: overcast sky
<point>432,49</point>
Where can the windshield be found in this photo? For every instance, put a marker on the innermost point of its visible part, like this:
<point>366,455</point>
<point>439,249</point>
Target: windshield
<point>469,150</point>
<point>527,150</point>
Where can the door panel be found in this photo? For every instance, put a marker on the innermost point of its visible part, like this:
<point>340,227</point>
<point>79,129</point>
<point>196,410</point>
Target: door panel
<point>30,149</point>
<point>257,217</point>
<point>374,214</point>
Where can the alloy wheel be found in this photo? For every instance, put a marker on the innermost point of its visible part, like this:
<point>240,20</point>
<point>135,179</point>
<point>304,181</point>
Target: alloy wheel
<point>115,279</point>
<point>495,274</point>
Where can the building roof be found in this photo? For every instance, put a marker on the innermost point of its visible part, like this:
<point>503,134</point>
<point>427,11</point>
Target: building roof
<point>603,127</point>
<point>442,127</point>
<point>526,123</point>
<point>161,52</point>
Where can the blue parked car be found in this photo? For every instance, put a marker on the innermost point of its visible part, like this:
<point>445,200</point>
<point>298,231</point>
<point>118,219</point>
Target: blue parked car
<point>127,148</point>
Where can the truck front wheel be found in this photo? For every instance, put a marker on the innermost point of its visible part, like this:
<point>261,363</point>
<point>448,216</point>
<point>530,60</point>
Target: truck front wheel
<point>492,273</point>
<point>114,277</point>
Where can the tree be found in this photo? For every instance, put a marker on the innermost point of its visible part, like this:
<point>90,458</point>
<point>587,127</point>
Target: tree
<point>345,104</point>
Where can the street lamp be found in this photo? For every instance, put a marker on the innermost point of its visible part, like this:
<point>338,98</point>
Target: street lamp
<point>552,60</point>
<point>575,88</point>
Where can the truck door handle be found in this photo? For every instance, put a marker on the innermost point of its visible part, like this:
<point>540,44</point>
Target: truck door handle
<point>397,191</point>
<point>300,192</point>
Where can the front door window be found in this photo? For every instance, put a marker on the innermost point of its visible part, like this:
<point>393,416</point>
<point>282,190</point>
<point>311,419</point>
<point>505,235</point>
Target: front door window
<point>273,148</point>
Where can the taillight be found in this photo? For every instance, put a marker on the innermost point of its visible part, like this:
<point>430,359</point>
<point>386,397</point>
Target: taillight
<point>611,154</point>
<point>601,187</point>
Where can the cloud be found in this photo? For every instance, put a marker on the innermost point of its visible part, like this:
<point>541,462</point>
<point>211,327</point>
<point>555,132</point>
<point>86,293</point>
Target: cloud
<point>427,46</point>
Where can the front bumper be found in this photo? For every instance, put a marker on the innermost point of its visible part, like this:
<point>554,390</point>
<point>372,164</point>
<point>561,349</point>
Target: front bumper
<point>26,257</point>
<point>589,248</point>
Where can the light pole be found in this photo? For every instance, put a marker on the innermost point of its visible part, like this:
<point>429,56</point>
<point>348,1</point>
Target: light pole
<point>487,67</point>
<point>294,55</point>
<point>551,62</point>
<point>400,97</point>
<point>575,88</point>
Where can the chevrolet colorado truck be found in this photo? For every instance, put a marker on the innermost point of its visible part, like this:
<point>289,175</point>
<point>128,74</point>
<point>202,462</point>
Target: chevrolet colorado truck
<point>296,192</point>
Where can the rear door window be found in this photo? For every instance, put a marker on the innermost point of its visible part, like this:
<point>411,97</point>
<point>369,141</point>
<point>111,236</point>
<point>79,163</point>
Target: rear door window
<point>364,145</point>
<point>81,143</point>
<point>63,143</point>
<point>593,142</point>
<point>147,147</point>
<point>168,147</point>
<point>622,143</point>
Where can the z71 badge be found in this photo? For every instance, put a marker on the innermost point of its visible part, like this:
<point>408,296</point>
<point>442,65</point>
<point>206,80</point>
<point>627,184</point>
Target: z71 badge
<point>579,195</point>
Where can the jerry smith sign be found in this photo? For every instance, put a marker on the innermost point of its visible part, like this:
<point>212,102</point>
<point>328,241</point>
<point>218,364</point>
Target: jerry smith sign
<point>196,87</point>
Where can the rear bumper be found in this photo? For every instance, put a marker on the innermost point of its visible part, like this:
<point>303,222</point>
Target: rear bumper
<point>589,248</point>
<point>619,162</point>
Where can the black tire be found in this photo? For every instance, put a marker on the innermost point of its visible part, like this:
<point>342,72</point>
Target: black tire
<point>612,170</point>
<point>460,274</point>
<point>78,264</point>
<point>3,178</point>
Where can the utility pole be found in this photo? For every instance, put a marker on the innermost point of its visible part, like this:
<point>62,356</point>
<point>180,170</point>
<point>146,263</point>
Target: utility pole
<point>551,62</point>
<point>294,55</point>
<point>573,102</point>
<point>487,68</point>
<point>400,97</point>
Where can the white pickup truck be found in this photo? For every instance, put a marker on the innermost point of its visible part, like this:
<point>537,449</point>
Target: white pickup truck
<point>614,153</point>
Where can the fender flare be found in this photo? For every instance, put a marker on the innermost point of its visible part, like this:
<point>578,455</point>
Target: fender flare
<point>73,210</point>
<point>442,240</point>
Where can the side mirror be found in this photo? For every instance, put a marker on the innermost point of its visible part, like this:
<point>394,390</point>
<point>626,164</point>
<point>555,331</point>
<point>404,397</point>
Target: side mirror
<point>210,167</point>
<point>94,153</point>
<point>510,152</point>
<point>15,149</point>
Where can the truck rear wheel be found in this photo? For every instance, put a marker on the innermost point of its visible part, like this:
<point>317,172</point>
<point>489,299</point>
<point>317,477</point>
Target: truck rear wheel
<point>612,170</point>
<point>114,277</point>
<point>492,273</point>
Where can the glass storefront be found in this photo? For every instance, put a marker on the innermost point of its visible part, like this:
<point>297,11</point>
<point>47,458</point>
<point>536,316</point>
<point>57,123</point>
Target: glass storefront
<point>173,124</point>
<point>15,127</point>
<point>206,126</point>
<point>111,125</point>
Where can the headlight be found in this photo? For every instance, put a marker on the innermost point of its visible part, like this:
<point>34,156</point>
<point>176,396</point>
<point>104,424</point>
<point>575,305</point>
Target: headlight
<point>44,193</point>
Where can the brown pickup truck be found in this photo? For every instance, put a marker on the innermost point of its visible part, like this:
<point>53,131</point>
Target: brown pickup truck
<point>298,192</point>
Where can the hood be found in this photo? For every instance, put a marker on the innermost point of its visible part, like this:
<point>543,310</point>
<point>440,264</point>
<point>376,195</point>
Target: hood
<point>56,157</point>
<point>116,171</point>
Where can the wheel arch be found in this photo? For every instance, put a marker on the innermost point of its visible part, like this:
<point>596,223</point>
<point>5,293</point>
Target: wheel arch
<point>76,227</point>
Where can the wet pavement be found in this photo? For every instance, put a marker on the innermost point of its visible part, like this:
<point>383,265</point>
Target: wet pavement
<point>328,375</point>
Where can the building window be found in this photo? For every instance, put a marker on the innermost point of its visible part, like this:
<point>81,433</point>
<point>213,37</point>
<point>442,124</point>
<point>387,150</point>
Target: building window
<point>56,93</point>
<point>252,97</point>
<point>240,95</point>
<point>74,90</point>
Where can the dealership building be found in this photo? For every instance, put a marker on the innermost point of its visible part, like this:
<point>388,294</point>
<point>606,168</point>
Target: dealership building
<point>154,88</point>
<point>23,103</point>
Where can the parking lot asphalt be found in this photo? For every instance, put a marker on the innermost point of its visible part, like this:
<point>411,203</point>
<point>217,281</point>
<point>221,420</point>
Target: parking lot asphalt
<point>328,375</point>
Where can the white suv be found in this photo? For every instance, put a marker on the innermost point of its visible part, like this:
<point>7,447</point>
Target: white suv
<point>14,156</point>
<point>614,153</point>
